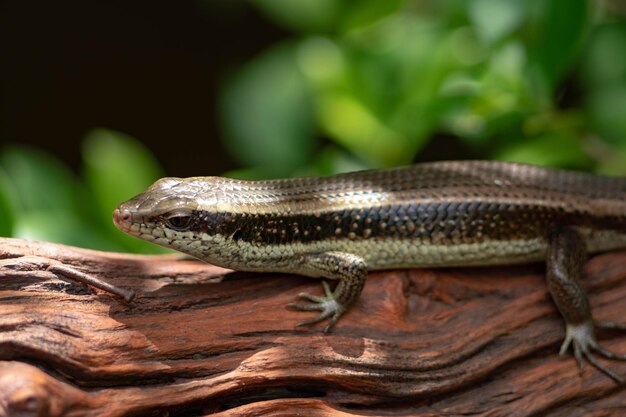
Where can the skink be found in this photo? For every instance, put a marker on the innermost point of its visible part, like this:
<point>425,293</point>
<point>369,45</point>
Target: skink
<point>428,215</point>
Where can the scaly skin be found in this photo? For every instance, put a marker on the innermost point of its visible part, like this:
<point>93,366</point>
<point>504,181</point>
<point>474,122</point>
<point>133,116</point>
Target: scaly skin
<point>429,215</point>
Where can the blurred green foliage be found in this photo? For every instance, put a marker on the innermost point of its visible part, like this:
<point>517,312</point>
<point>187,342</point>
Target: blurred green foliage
<point>367,84</point>
<point>537,81</point>
<point>40,198</point>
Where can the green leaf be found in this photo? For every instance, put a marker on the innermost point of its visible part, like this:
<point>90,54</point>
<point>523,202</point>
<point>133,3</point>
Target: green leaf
<point>46,197</point>
<point>8,206</point>
<point>604,62</point>
<point>551,149</point>
<point>117,167</point>
<point>561,28</point>
<point>359,13</point>
<point>350,123</point>
<point>494,19</point>
<point>40,181</point>
<point>606,109</point>
<point>330,161</point>
<point>267,113</point>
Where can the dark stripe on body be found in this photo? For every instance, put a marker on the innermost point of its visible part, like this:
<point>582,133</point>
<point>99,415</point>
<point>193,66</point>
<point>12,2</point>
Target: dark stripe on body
<point>435,223</point>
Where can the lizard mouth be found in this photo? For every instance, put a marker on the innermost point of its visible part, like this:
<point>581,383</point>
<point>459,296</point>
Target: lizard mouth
<point>122,218</point>
<point>131,223</point>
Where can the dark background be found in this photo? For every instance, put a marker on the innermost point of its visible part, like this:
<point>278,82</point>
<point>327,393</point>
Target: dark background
<point>147,68</point>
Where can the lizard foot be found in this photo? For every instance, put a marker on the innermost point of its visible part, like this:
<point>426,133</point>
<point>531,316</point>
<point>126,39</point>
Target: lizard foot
<point>327,304</point>
<point>584,343</point>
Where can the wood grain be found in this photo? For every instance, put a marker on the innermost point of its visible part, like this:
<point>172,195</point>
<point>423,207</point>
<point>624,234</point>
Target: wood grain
<point>198,340</point>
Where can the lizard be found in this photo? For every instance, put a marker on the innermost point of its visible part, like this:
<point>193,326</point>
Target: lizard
<point>439,214</point>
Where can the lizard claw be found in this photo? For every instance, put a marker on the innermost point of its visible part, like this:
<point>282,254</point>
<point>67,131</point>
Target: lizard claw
<point>327,304</point>
<point>581,338</point>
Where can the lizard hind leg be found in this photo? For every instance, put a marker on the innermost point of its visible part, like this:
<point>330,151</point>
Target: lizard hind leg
<point>566,255</point>
<point>351,272</point>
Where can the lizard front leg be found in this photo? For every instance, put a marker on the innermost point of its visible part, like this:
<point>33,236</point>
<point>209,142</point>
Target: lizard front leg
<point>349,269</point>
<point>566,256</point>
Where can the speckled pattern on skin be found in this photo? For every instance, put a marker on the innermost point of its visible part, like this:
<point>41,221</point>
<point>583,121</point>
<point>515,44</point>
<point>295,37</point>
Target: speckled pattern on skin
<point>425,215</point>
<point>429,215</point>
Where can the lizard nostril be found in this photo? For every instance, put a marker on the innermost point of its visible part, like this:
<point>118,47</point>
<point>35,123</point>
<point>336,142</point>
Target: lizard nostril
<point>121,215</point>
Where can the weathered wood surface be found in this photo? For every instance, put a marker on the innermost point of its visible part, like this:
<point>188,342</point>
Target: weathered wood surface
<point>199,342</point>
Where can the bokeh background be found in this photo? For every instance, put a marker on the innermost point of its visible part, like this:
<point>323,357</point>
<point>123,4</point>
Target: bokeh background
<point>100,98</point>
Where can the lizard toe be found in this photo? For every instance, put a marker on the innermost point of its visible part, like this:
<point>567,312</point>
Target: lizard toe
<point>583,341</point>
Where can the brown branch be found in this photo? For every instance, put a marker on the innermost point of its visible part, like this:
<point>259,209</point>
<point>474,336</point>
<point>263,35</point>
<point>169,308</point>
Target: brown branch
<point>197,339</point>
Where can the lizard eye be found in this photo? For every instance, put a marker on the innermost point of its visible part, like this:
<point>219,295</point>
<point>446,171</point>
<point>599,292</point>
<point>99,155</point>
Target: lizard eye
<point>179,222</point>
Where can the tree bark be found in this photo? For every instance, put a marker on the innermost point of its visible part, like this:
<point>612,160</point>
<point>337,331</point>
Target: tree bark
<point>198,340</point>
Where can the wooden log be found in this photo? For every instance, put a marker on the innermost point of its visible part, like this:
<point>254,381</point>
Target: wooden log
<point>198,340</point>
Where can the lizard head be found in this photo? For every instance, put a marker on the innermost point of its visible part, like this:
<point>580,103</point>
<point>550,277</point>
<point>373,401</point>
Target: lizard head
<point>178,213</point>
